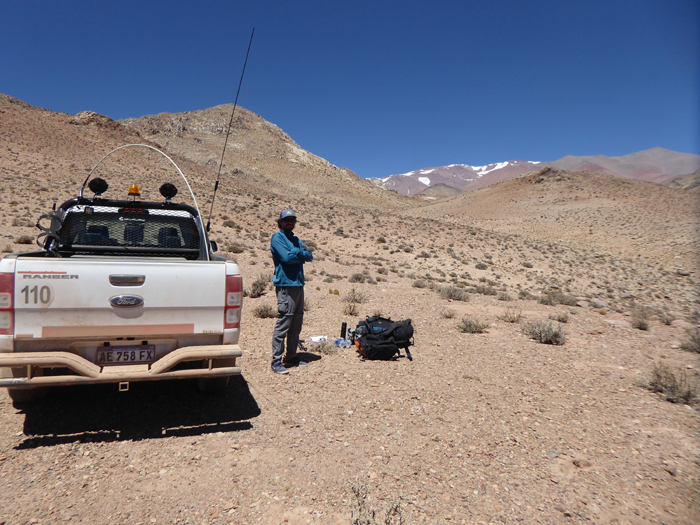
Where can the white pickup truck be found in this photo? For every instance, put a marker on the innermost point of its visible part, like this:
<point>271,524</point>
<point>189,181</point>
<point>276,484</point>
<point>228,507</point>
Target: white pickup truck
<point>122,291</point>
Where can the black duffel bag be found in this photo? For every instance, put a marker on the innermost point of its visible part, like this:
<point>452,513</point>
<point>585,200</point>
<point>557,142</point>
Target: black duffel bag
<point>381,338</point>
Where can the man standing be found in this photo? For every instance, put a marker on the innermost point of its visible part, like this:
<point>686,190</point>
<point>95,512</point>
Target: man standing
<point>289,255</point>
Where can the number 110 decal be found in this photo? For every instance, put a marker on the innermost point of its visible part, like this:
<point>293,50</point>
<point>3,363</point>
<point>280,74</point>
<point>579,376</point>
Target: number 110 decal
<point>40,295</point>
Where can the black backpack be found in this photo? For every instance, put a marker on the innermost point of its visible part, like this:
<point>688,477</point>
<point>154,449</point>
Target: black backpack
<point>381,338</point>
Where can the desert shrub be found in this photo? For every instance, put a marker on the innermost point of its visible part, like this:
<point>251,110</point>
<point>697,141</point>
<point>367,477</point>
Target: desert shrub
<point>229,224</point>
<point>419,283</point>
<point>553,298</point>
<point>357,278</point>
<point>7,249</point>
<point>355,297</point>
<point>525,294</point>
<point>333,292</point>
<point>485,289</point>
<point>511,315</point>
<point>694,344</point>
<point>640,319</point>
<point>470,325</point>
<point>235,248</point>
<point>351,309</point>
<point>325,348</point>
<point>504,296</point>
<point>447,313</point>
<point>363,514</point>
<point>328,280</point>
<point>666,318</point>
<point>527,264</point>
<point>545,332</point>
<point>25,239</point>
<point>311,245</point>
<point>382,271</point>
<point>561,317</point>
<point>453,293</point>
<point>673,385</point>
<point>258,287</point>
<point>481,266</point>
<point>264,311</point>
<point>381,240</point>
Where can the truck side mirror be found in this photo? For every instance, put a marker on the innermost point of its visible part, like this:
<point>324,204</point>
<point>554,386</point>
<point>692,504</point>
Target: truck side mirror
<point>214,246</point>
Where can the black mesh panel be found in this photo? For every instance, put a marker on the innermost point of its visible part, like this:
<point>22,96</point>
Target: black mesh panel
<point>88,230</point>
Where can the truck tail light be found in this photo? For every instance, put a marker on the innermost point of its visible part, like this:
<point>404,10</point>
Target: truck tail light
<point>234,300</point>
<point>7,288</point>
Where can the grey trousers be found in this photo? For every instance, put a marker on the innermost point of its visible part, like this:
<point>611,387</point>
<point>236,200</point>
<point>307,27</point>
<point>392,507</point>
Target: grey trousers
<point>290,317</point>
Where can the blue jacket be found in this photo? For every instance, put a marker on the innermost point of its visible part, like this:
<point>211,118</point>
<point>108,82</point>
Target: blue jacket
<point>289,255</point>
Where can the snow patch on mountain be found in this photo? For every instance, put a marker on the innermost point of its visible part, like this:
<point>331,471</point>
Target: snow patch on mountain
<point>425,180</point>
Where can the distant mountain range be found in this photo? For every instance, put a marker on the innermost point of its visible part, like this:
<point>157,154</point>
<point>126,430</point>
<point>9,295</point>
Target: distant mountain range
<point>653,165</point>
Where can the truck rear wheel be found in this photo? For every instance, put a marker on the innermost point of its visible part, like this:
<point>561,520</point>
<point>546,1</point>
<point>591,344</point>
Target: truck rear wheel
<point>27,395</point>
<point>212,385</point>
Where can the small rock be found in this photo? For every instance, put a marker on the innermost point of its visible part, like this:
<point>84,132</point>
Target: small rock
<point>551,454</point>
<point>684,273</point>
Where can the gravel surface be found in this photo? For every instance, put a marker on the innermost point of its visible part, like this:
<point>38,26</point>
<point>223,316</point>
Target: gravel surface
<point>478,428</point>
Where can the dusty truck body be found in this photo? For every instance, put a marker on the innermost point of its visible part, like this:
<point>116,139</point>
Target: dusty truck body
<point>122,291</point>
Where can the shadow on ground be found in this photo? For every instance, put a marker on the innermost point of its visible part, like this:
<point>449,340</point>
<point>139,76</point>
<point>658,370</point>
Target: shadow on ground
<point>148,410</point>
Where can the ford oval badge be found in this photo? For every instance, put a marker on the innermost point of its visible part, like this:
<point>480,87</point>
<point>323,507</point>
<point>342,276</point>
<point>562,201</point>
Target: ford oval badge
<point>126,301</point>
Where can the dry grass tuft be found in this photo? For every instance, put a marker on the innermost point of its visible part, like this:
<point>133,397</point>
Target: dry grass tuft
<point>640,319</point>
<point>264,311</point>
<point>694,344</point>
<point>673,385</point>
<point>324,348</point>
<point>511,315</point>
<point>453,293</point>
<point>258,287</point>
<point>469,325</point>
<point>561,317</point>
<point>25,239</point>
<point>351,309</point>
<point>364,514</point>
<point>545,332</point>
<point>447,313</point>
<point>355,297</point>
<point>553,298</point>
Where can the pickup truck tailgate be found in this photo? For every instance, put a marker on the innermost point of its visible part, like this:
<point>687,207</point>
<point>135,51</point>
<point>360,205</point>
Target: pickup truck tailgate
<point>87,298</point>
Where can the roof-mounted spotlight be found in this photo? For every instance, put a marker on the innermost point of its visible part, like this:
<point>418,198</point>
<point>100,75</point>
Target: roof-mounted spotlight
<point>98,186</point>
<point>168,191</point>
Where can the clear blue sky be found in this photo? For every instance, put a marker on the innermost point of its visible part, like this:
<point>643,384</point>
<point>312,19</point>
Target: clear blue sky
<point>380,87</point>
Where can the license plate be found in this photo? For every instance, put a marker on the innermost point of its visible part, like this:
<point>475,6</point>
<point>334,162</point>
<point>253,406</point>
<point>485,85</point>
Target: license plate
<point>126,354</point>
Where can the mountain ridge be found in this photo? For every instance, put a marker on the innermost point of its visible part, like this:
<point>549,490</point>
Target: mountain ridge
<point>657,164</point>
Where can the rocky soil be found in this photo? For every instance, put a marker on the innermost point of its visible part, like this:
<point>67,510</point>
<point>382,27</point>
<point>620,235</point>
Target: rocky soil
<point>482,428</point>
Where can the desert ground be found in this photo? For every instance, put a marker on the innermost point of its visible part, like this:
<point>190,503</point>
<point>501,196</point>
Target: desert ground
<point>485,424</point>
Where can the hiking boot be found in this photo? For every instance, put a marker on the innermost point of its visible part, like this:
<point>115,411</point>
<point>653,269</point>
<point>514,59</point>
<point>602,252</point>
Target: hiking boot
<point>294,361</point>
<point>279,368</point>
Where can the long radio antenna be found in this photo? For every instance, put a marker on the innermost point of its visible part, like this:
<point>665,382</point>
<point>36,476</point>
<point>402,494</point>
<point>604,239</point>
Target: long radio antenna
<point>228,130</point>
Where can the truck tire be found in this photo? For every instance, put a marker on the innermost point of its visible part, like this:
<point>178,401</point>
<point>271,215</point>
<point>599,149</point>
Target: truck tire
<point>27,395</point>
<point>212,385</point>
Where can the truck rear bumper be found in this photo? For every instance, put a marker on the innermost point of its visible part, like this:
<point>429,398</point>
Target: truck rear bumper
<point>83,371</point>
